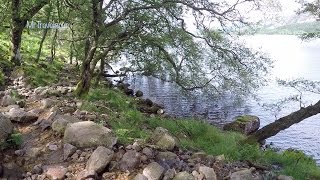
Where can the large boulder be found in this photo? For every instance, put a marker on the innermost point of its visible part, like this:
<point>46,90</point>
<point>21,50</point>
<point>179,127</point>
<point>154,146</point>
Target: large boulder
<point>245,124</point>
<point>99,159</point>
<point>162,139</point>
<point>19,115</point>
<point>60,122</point>
<point>208,173</point>
<point>89,134</point>
<point>6,128</point>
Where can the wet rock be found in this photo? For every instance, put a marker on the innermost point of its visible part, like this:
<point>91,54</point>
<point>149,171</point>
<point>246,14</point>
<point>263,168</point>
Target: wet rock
<point>243,174</point>
<point>130,160</point>
<point>139,93</point>
<point>6,127</point>
<point>68,150</point>
<point>56,172</point>
<point>61,121</point>
<point>89,134</point>
<point>140,177</point>
<point>153,171</point>
<point>19,115</point>
<point>162,139</point>
<point>99,159</point>
<point>86,175</point>
<point>208,173</point>
<point>245,124</point>
<point>283,177</point>
<point>183,176</point>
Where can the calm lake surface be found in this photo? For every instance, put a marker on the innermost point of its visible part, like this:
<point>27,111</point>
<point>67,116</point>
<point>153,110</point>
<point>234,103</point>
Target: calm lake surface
<point>293,59</point>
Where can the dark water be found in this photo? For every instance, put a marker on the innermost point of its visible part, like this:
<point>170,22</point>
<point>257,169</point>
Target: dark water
<point>293,59</point>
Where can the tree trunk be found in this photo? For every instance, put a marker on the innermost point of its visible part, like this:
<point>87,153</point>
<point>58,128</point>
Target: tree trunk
<point>45,31</point>
<point>16,43</point>
<point>284,123</point>
<point>83,86</point>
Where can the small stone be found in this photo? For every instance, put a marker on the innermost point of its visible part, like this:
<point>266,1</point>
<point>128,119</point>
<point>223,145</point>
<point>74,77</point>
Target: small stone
<point>85,175</point>
<point>52,147</point>
<point>283,177</point>
<point>68,150</point>
<point>56,172</point>
<point>129,161</point>
<point>243,174</point>
<point>208,173</point>
<point>184,176</point>
<point>139,93</point>
<point>19,152</point>
<point>169,174</point>
<point>153,171</point>
<point>99,159</point>
<point>37,169</point>
<point>140,177</point>
<point>148,152</point>
<point>165,156</point>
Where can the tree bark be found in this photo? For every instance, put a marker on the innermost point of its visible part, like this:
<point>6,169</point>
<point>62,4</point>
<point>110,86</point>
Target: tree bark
<point>19,21</point>
<point>45,31</point>
<point>284,123</point>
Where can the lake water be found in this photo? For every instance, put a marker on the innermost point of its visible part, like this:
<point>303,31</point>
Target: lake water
<point>293,59</point>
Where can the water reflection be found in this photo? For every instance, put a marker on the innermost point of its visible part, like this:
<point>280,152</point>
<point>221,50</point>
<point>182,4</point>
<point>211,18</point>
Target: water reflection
<point>293,59</point>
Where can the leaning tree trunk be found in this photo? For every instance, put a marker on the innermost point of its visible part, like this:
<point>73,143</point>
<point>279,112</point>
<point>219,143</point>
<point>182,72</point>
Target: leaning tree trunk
<point>84,84</point>
<point>45,31</point>
<point>284,123</point>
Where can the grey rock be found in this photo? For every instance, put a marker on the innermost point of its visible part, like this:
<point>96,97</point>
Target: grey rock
<point>19,115</point>
<point>140,177</point>
<point>164,156</point>
<point>68,150</point>
<point>148,152</point>
<point>183,176</point>
<point>208,173</point>
<point>6,127</point>
<point>162,139</point>
<point>169,174</point>
<point>139,93</point>
<point>89,134</point>
<point>243,174</point>
<point>130,160</point>
<point>99,159</point>
<point>60,122</point>
<point>153,171</point>
<point>20,152</point>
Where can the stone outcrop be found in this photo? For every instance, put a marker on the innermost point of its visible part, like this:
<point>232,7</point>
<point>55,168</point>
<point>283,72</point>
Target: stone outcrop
<point>245,124</point>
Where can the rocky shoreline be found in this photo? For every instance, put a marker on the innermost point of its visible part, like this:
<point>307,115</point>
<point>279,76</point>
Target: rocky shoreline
<point>60,141</point>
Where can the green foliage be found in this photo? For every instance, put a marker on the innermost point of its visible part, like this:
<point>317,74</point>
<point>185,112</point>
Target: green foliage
<point>13,141</point>
<point>292,29</point>
<point>1,78</point>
